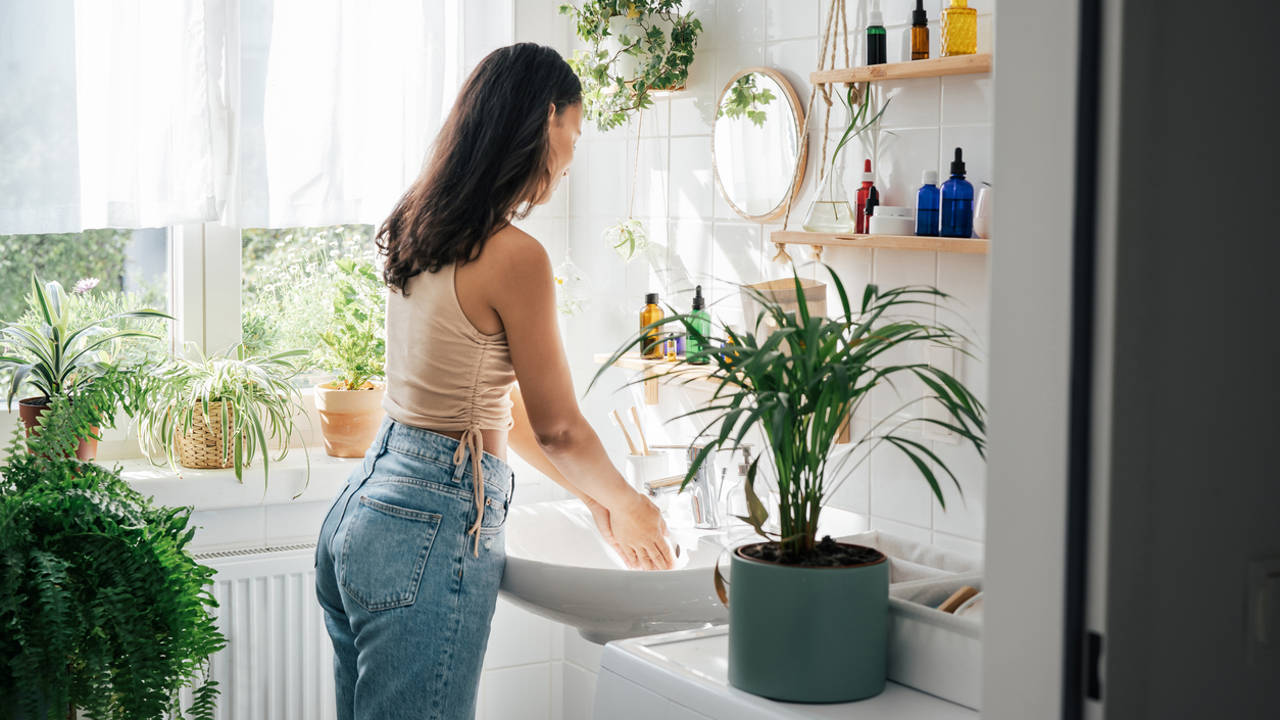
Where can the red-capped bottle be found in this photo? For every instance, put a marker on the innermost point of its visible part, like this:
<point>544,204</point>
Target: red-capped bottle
<point>860,221</point>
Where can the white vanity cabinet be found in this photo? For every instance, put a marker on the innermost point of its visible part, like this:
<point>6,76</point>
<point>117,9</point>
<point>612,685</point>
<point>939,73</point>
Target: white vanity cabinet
<point>684,676</point>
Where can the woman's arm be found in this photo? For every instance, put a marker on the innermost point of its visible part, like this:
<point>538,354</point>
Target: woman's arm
<point>525,300</point>
<point>521,439</point>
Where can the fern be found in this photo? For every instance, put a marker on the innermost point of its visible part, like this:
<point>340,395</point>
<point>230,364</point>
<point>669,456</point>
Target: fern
<point>101,605</point>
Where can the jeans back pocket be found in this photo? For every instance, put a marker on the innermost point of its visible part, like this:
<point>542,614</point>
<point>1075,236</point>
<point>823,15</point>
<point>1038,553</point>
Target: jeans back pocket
<point>384,553</point>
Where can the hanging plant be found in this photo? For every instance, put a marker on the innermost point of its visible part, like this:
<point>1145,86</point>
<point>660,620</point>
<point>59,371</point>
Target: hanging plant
<point>627,238</point>
<point>747,99</point>
<point>634,48</point>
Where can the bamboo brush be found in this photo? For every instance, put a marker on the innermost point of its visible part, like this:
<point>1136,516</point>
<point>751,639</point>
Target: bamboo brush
<point>617,420</point>
<point>635,416</point>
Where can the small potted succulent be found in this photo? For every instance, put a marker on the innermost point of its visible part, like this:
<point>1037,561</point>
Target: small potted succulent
<point>59,351</point>
<point>221,411</point>
<point>104,608</point>
<point>354,349</point>
<point>634,48</point>
<point>809,616</point>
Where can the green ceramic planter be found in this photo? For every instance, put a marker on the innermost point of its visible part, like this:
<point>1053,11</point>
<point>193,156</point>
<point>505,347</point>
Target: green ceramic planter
<point>808,634</point>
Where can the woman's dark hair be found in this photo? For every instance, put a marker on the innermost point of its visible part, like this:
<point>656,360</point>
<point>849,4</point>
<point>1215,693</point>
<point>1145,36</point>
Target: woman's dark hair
<point>488,165</point>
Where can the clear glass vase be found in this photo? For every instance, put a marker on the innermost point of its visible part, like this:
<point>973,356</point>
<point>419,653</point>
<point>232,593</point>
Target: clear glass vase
<point>830,210</point>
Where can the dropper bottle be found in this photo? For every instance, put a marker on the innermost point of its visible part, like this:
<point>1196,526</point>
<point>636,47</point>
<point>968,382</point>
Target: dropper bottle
<point>957,202</point>
<point>919,32</point>
<point>877,41</point>
<point>860,209</point>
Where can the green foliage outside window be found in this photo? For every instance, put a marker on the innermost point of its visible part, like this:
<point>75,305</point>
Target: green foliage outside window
<point>288,278</point>
<point>355,341</point>
<point>66,258</point>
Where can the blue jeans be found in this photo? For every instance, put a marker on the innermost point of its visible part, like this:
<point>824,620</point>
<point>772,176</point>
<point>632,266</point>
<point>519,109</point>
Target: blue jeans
<point>406,602</point>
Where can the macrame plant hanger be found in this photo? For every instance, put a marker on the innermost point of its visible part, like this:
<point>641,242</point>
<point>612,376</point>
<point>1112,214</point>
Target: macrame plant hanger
<point>835,29</point>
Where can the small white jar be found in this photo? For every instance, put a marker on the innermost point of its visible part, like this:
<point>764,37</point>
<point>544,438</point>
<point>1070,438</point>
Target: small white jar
<point>893,220</point>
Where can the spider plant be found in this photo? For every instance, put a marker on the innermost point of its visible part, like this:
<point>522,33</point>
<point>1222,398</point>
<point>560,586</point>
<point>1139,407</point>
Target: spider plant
<point>256,401</point>
<point>858,103</point>
<point>61,354</point>
<point>798,385</point>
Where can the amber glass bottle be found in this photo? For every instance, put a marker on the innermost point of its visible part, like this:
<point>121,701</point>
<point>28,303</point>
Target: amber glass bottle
<point>919,33</point>
<point>959,29</point>
<point>652,346</point>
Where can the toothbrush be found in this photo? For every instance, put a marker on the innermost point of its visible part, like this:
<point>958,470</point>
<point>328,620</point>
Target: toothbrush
<point>635,417</point>
<point>617,420</point>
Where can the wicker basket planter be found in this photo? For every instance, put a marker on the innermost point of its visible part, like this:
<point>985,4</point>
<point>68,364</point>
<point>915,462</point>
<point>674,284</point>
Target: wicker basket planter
<point>201,448</point>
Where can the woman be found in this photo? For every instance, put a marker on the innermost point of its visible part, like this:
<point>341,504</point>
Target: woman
<point>411,553</point>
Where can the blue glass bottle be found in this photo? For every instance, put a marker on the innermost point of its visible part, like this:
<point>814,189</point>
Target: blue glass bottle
<point>957,202</point>
<point>927,204</point>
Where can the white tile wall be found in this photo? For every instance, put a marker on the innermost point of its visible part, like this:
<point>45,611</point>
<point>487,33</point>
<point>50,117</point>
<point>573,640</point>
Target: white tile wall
<point>700,239</point>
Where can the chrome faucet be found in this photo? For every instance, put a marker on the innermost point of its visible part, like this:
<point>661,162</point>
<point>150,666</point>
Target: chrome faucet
<point>705,486</point>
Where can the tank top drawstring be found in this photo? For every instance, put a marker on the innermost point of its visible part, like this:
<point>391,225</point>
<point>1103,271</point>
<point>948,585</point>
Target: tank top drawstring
<point>473,440</point>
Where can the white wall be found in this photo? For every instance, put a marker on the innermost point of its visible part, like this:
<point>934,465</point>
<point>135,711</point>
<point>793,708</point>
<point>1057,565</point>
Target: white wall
<point>701,240</point>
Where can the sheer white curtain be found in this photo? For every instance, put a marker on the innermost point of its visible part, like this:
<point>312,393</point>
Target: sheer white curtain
<point>140,113</point>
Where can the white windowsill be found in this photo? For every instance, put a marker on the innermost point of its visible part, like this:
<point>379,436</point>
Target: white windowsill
<point>219,489</point>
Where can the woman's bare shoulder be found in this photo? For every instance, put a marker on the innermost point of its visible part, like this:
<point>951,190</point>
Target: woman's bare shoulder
<point>514,250</point>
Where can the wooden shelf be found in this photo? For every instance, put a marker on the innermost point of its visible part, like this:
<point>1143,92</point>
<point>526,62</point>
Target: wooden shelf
<point>933,67</point>
<point>657,372</point>
<point>969,246</point>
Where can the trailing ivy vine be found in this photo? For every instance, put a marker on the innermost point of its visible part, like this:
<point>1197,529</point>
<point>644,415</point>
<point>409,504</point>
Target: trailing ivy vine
<point>659,38</point>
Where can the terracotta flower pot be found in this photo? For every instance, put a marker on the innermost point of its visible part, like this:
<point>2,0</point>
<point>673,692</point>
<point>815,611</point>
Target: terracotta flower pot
<point>349,419</point>
<point>30,409</point>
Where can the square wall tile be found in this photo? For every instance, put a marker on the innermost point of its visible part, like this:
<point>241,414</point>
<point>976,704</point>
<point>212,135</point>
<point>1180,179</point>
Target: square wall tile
<point>914,533</point>
<point>652,176</point>
<point>606,182</point>
<point>904,155</point>
<point>522,693</point>
<point>690,255</point>
<point>693,110</point>
<point>967,100</point>
<point>692,185</point>
<point>736,23</point>
<point>911,103</point>
<point>975,141</point>
<point>965,515</point>
<point>898,492</point>
<point>579,692</point>
<point>787,19</point>
<point>517,637</point>
<point>795,60</point>
<point>969,548</point>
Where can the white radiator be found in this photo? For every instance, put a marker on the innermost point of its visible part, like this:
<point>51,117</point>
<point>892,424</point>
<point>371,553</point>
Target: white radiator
<point>278,663</point>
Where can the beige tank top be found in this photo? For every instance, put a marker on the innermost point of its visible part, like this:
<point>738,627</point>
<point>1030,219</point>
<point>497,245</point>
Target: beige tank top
<point>443,373</point>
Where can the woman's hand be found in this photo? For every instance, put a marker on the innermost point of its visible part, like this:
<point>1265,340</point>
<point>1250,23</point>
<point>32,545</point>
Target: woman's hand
<point>639,532</point>
<point>600,514</point>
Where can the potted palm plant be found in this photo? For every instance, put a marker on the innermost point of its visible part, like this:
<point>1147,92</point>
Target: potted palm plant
<point>103,607</point>
<point>809,616</point>
<point>354,349</point>
<point>221,411</point>
<point>59,353</point>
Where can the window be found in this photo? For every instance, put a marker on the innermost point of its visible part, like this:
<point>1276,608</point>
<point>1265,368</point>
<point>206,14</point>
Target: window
<point>287,282</point>
<point>113,268</point>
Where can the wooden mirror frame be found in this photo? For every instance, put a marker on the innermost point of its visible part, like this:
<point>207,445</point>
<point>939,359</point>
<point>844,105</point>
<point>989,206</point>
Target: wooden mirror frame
<point>797,176</point>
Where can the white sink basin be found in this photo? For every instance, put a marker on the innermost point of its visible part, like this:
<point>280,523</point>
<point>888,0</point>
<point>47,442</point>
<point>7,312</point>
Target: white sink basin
<point>559,568</point>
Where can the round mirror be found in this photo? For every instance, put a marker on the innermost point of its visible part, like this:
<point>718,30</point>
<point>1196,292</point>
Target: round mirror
<point>757,150</point>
